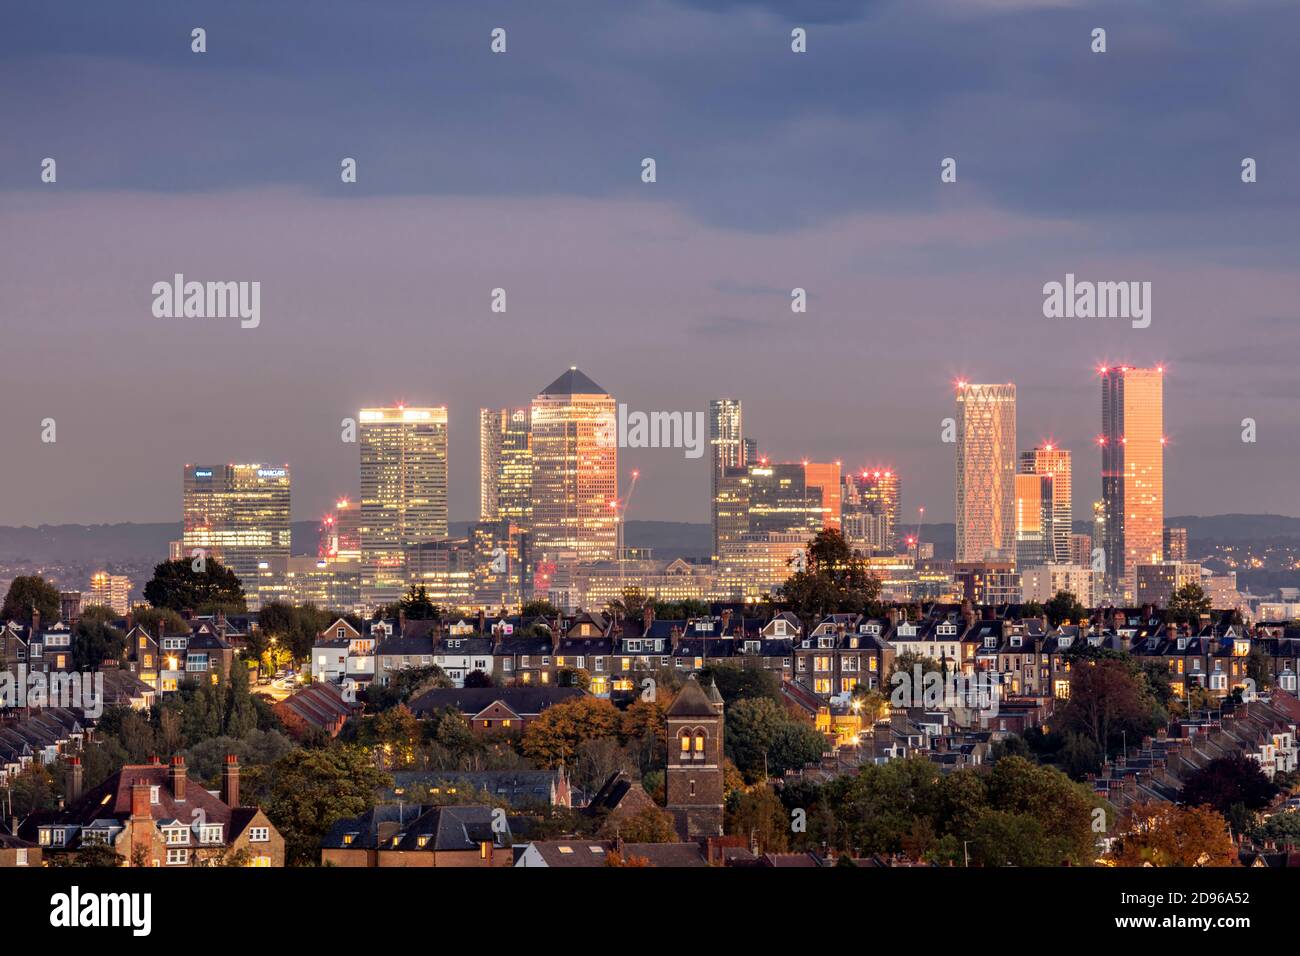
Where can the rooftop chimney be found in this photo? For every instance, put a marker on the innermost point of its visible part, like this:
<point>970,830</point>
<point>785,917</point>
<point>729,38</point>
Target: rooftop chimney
<point>176,777</point>
<point>36,620</point>
<point>140,800</point>
<point>230,781</point>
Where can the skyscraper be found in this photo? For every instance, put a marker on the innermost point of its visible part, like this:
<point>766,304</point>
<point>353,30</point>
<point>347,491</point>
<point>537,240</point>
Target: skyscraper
<point>505,465</point>
<point>403,493</point>
<point>875,492</point>
<point>1175,544</point>
<point>1034,526</point>
<point>1132,472</point>
<point>1055,462</point>
<point>986,468</point>
<point>727,450</point>
<point>575,469</point>
<point>780,500</point>
<point>822,484</point>
<point>237,514</point>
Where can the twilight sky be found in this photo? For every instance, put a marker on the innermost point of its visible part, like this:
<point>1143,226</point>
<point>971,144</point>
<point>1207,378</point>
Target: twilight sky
<point>522,171</point>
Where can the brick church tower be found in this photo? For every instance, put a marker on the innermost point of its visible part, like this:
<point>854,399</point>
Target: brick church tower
<point>693,778</point>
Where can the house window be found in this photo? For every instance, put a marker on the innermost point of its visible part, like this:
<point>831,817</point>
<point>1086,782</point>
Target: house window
<point>261,861</point>
<point>211,834</point>
<point>153,794</point>
<point>178,857</point>
<point>177,836</point>
<point>263,835</point>
<point>22,858</point>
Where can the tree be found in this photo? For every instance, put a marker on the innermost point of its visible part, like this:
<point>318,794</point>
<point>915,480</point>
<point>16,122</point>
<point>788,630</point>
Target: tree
<point>176,585</point>
<point>28,592</point>
<point>1187,604</point>
<point>759,815</point>
<point>555,735</point>
<point>96,641</point>
<point>1064,607</point>
<point>415,604</point>
<point>478,679</point>
<point>93,855</point>
<point>762,738</point>
<point>1226,781</point>
<point>628,604</point>
<point>398,733</point>
<point>833,580</point>
<point>1163,834</point>
<point>540,608</point>
<point>150,617</point>
<point>736,682</point>
<point>647,825</point>
<point>312,788</point>
<point>1109,697</point>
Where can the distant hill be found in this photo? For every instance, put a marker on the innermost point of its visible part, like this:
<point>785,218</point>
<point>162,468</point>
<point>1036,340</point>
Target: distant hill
<point>148,541</point>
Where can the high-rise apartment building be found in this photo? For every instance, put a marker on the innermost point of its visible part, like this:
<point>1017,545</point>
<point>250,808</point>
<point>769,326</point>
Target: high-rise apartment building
<point>340,533</point>
<point>1056,463</point>
<point>986,468</point>
<point>403,493</point>
<point>575,469</point>
<point>727,450</point>
<point>237,514</point>
<point>505,465</point>
<point>1175,544</point>
<point>109,590</point>
<point>1132,472</point>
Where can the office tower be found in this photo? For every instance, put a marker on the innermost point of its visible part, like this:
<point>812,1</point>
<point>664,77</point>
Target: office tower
<point>781,502</point>
<point>822,484</point>
<point>1041,584</point>
<point>1055,462</point>
<point>403,493</point>
<point>109,590</point>
<point>237,514</point>
<point>502,565</point>
<point>731,508</point>
<point>986,468</point>
<point>727,450</point>
<point>751,451</point>
<point>1034,530</point>
<point>575,469</point>
<point>1132,472</point>
<point>1175,544</point>
<point>340,533</point>
<point>875,492</point>
<point>505,465</point>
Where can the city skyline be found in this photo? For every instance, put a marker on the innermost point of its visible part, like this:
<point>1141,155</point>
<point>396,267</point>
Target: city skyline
<point>672,293</point>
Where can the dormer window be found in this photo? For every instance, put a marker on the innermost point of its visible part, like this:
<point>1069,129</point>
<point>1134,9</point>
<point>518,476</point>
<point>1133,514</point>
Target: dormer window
<point>1015,640</point>
<point>1064,642</point>
<point>779,629</point>
<point>947,630</point>
<point>1182,643</point>
<point>990,641</point>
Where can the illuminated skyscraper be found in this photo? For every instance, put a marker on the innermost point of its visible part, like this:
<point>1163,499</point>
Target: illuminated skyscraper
<point>575,469</point>
<point>986,469</point>
<point>237,514</point>
<point>1132,472</point>
<point>403,493</point>
<point>1056,462</point>
<point>1175,544</point>
<point>875,492</point>
<point>505,465</point>
<point>822,484</point>
<point>780,500</point>
<point>340,533</point>
<point>727,450</point>
<point>1034,527</point>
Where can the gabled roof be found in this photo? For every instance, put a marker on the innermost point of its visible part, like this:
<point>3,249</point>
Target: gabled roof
<point>524,701</point>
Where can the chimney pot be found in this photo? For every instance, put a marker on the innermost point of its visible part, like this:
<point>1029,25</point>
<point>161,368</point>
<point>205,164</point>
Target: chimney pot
<point>176,777</point>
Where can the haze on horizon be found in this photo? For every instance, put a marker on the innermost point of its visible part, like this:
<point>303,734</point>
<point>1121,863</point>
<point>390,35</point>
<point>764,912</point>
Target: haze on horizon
<point>522,171</point>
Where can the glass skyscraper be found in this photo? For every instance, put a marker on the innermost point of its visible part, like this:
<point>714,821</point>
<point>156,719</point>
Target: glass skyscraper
<point>1132,473</point>
<point>986,469</point>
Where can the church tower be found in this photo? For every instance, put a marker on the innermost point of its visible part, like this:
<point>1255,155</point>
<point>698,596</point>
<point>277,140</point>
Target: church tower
<point>693,778</point>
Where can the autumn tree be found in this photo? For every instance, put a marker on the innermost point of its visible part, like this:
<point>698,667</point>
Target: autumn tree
<point>1164,834</point>
<point>759,816</point>
<point>647,825</point>
<point>1109,697</point>
<point>312,788</point>
<point>832,580</point>
<point>554,736</point>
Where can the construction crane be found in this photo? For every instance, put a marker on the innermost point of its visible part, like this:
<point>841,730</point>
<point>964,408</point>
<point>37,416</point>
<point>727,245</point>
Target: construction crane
<point>620,518</point>
<point>914,542</point>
